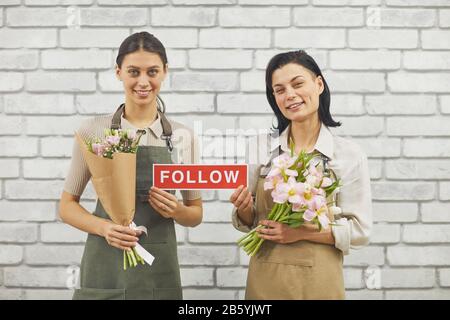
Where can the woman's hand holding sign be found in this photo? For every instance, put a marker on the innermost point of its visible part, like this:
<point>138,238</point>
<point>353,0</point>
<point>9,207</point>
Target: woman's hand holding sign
<point>165,203</point>
<point>243,201</point>
<point>188,214</point>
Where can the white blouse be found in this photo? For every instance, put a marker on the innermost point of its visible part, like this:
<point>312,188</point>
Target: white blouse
<point>349,163</point>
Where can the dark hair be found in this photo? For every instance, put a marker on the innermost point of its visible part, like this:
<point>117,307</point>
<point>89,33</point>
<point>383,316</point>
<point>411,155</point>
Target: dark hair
<point>302,58</point>
<point>141,41</point>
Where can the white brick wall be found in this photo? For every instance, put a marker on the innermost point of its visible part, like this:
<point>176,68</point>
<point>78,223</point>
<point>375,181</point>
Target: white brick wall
<point>387,65</point>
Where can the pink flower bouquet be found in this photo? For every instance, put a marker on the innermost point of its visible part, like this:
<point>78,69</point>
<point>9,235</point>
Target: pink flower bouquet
<point>112,163</point>
<point>299,191</point>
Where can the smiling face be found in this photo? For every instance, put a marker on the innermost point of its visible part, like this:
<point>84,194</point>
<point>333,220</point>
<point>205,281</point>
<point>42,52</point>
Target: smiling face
<point>142,74</point>
<point>296,91</point>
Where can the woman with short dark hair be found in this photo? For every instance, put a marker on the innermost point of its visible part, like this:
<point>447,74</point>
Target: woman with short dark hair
<point>303,263</point>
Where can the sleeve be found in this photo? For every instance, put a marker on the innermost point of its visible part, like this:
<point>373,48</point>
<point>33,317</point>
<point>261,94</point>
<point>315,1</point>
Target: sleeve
<point>78,175</point>
<point>191,155</point>
<point>355,222</point>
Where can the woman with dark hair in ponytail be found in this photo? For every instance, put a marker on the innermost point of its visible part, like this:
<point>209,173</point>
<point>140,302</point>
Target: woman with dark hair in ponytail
<point>303,263</point>
<point>142,67</point>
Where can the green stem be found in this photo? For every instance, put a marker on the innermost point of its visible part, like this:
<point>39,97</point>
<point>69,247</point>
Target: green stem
<point>133,258</point>
<point>130,261</point>
<point>257,246</point>
<point>124,261</point>
<point>276,207</point>
<point>139,258</point>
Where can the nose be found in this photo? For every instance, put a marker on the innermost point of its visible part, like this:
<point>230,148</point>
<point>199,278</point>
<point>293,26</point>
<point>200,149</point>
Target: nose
<point>143,81</point>
<point>290,93</point>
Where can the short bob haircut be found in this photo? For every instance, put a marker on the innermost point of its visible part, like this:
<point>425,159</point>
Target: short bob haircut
<point>299,57</point>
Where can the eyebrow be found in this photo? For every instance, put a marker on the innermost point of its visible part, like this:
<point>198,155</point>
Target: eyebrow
<point>294,78</point>
<point>152,67</point>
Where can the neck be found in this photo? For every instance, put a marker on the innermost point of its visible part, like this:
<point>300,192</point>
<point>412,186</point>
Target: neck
<point>305,134</point>
<point>140,116</point>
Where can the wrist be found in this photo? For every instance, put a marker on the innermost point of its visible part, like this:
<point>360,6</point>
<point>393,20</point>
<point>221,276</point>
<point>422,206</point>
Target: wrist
<point>101,230</point>
<point>246,216</point>
<point>177,212</point>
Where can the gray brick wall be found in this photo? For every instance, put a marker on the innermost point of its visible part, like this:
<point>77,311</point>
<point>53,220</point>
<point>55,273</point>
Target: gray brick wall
<point>387,63</point>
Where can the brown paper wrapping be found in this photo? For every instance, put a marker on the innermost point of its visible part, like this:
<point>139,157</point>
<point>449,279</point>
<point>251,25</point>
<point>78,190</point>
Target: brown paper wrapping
<point>114,182</point>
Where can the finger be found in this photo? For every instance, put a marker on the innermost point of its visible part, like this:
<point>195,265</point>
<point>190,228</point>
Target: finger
<point>267,223</point>
<point>241,197</point>
<point>236,193</point>
<point>163,193</point>
<point>124,243</point>
<point>125,237</point>
<point>246,202</point>
<point>163,208</point>
<point>269,237</point>
<point>118,246</point>
<point>153,204</point>
<point>157,208</point>
<point>267,231</point>
<point>164,200</point>
<point>123,229</point>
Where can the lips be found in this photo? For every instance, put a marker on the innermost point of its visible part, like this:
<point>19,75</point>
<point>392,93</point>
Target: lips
<point>142,93</point>
<point>295,106</point>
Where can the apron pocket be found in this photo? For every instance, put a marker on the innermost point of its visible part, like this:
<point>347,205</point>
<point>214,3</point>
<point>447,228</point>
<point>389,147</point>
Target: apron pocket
<point>168,294</point>
<point>297,254</point>
<point>99,294</point>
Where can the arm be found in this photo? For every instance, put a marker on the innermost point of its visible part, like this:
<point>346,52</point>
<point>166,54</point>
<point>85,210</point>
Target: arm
<point>355,200</point>
<point>353,226</point>
<point>282,233</point>
<point>244,214</point>
<point>72,213</point>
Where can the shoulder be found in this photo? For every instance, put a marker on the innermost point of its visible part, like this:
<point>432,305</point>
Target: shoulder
<point>94,126</point>
<point>348,149</point>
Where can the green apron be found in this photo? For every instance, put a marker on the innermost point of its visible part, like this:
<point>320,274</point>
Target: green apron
<point>101,271</point>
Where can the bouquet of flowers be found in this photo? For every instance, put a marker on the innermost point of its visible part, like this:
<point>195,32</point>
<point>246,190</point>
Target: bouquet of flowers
<point>112,163</point>
<point>300,192</point>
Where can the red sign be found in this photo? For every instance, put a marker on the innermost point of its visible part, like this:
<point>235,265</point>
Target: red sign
<point>193,176</point>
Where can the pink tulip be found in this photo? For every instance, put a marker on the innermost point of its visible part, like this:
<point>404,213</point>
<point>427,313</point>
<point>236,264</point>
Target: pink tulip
<point>272,181</point>
<point>318,208</point>
<point>307,193</point>
<point>287,191</point>
<point>113,140</point>
<point>281,164</point>
<point>98,148</point>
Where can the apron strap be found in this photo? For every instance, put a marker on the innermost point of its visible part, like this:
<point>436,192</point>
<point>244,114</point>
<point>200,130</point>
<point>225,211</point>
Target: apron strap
<point>167,130</point>
<point>115,123</point>
<point>166,126</point>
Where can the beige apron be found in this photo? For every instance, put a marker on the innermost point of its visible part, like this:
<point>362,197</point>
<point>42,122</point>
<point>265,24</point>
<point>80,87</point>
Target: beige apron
<point>299,270</point>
